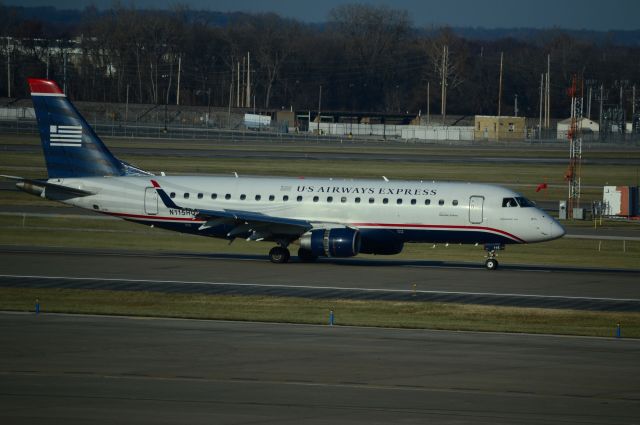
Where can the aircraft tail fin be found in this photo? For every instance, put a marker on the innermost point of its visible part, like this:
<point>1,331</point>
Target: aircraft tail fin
<point>71,147</point>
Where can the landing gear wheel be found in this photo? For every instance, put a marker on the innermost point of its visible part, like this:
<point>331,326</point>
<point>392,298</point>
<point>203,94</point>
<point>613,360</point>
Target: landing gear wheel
<point>491,264</point>
<point>305,256</point>
<point>279,255</point>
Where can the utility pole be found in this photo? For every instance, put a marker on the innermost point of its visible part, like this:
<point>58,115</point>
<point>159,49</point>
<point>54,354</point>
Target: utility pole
<point>500,88</point>
<point>248,81</point>
<point>548,118</point>
<point>8,73</point>
<point>515,107</point>
<point>126,107</point>
<point>443,102</point>
<point>178,89</point>
<point>620,95</point>
<point>64,73</point>
<point>633,101</point>
<point>230,100</point>
<point>541,103</point>
<point>208,105</point>
<point>428,103</point>
<point>319,108</point>
<point>601,100</point>
<point>243,95</point>
<point>238,86</point>
<point>589,103</point>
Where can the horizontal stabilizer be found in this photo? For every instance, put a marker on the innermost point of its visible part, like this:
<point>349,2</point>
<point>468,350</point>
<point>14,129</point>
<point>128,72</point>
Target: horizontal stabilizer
<point>37,186</point>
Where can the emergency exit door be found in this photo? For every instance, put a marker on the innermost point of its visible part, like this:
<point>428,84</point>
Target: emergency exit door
<point>476,204</point>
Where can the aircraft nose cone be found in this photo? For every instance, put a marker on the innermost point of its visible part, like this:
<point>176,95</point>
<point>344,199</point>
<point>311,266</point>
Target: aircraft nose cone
<point>557,231</point>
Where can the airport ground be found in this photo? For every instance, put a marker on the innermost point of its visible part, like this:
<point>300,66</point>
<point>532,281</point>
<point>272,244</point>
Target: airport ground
<point>60,369</point>
<point>78,368</point>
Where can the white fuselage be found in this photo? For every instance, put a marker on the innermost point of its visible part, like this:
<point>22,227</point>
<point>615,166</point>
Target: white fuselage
<point>414,211</point>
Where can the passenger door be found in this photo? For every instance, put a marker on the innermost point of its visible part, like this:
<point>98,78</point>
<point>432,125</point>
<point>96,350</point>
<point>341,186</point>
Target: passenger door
<point>151,201</point>
<point>476,204</point>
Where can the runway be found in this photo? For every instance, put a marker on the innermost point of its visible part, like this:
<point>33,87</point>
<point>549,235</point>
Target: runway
<point>59,369</point>
<point>590,289</point>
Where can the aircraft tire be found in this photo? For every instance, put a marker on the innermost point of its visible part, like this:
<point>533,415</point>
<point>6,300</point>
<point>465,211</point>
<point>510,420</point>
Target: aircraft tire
<point>491,264</point>
<point>279,255</point>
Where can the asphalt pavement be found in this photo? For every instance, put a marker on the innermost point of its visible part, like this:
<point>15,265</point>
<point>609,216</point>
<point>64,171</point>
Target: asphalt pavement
<point>58,369</point>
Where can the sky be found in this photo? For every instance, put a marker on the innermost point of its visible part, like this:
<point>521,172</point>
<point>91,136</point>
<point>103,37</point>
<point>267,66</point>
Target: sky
<point>567,14</point>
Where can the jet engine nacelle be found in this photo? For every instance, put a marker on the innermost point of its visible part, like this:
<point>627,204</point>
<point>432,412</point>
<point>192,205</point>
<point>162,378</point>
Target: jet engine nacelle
<point>336,242</point>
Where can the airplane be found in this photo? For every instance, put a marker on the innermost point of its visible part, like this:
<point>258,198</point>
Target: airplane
<point>325,217</point>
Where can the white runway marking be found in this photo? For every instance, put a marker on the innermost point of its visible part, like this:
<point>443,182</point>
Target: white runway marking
<point>551,297</point>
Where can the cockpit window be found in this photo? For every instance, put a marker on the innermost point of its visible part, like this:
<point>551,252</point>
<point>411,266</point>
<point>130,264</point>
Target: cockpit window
<point>524,202</point>
<point>509,202</point>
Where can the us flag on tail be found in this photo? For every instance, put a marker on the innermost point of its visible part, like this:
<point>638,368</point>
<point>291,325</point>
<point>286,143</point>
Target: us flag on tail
<point>65,135</point>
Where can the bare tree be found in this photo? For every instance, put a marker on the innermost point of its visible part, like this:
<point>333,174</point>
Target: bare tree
<point>373,39</point>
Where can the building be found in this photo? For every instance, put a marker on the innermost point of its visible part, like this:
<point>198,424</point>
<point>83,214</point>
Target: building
<point>499,128</point>
<point>586,125</point>
<point>621,201</point>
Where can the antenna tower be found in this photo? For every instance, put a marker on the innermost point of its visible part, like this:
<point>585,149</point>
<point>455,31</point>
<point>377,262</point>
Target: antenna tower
<point>572,176</point>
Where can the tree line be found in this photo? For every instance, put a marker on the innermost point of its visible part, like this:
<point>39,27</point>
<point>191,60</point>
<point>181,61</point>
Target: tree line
<point>363,58</point>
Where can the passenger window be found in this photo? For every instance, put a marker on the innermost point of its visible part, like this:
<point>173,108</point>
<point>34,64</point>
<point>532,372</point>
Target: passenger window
<point>399,201</point>
<point>413,202</point>
<point>173,194</point>
<point>509,202</point>
<point>329,198</point>
<point>200,195</point>
<point>441,202</point>
<point>285,198</point>
<point>299,199</point>
<point>271,197</point>
<point>455,202</point>
<point>214,195</point>
<point>316,199</point>
<point>186,195</point>
<point>227,196</point>
<point>371,200</point>
<point>343,199</point>
<point>357,200</point>
<point>427,201</point>
<point>258,197</point>
<point>243,197</point>
<point>385,200</point>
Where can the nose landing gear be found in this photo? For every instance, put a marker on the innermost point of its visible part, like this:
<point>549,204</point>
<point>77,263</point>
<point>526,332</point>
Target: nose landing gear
<point>492,263</point>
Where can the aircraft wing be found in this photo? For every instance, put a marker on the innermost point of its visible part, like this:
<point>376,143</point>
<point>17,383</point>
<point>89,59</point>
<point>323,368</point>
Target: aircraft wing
<point>257,225</point>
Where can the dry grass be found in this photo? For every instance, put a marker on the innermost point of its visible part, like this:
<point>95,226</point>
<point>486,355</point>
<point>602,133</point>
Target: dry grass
<point>347,312</point>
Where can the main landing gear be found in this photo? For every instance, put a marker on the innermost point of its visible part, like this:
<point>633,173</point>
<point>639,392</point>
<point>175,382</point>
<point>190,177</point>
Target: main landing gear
<point>279,255</point>
<point>492,263</point>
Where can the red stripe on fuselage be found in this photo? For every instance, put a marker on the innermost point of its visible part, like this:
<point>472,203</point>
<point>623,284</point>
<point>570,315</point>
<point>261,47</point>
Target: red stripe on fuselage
<point>439,227</point>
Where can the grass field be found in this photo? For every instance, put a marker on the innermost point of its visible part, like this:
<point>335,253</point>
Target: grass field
<point>347,312</point>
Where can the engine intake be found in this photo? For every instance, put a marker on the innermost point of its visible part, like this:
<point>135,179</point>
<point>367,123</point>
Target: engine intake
<point>336,242</point>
